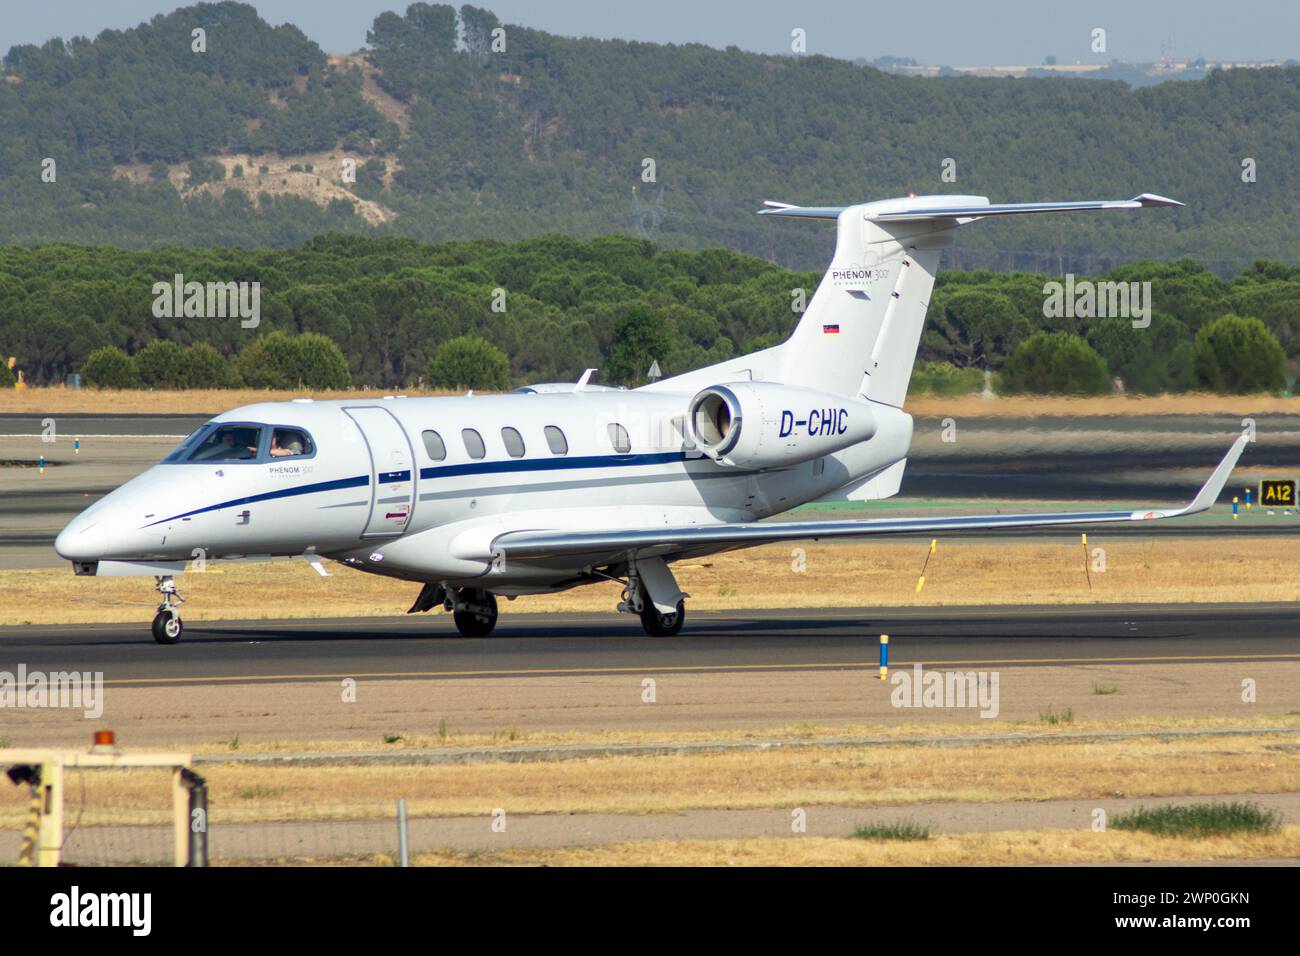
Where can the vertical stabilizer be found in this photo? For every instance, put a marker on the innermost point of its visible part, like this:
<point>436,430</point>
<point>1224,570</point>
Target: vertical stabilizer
<point>862,328</point>
<point>855,336</point>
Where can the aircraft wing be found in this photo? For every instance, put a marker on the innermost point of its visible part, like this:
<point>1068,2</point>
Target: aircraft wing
<point>541,545</point>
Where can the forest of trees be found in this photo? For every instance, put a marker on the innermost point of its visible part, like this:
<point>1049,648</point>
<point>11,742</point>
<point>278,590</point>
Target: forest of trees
<point>552,134</point>
<point>555,305</point>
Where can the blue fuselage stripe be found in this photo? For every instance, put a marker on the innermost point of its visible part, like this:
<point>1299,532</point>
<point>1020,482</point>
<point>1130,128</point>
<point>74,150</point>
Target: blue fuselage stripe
<point>445,471</point>
<point>360,481</point>
<point>550,464</point>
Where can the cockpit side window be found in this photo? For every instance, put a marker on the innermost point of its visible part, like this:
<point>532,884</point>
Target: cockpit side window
<point>229,443</point>
<point>290,443</point>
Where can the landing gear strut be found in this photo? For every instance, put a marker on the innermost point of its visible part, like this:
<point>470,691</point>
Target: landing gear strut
<point>167,625</point>
<point>637,599</point>
<point>475,611</point>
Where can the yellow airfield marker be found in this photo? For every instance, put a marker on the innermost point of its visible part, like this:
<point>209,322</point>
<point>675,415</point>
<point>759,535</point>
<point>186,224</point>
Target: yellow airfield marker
<point>920,582</point>
<point>1087,572</point>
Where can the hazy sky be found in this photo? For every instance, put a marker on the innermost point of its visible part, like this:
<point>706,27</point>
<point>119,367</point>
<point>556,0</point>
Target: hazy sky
<point>955,32</point>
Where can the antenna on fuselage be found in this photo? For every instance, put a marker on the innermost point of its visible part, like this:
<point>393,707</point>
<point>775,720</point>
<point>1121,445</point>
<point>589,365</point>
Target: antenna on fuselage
<point>582,382</point>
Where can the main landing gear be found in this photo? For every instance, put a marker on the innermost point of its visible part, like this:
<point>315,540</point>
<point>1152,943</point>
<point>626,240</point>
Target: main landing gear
<point>644,579</point>
<point>167,625</point>
<point>657,624</point>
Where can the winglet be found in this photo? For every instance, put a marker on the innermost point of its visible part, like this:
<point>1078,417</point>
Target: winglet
<point>1151,199</point>
<point>1213,487</point>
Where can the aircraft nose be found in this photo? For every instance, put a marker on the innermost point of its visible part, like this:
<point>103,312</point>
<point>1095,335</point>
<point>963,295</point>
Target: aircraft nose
<point>82,541</point>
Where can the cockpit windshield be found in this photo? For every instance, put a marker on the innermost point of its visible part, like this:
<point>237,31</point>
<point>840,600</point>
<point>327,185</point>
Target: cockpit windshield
<point>186,446</point>
<point>228,443</point>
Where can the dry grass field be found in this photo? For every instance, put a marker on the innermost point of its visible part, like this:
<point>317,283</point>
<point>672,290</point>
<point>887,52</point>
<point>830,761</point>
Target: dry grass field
<point>899,775</point>
<point>875,574</point>
<point>56,400</point>
<point>1016,848</point>
<point>1036,406</point>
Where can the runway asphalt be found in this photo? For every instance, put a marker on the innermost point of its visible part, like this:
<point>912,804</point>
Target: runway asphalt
<point>541,646</point>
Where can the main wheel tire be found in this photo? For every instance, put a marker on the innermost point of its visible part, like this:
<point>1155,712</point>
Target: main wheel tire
<point>662,625</point>
<point>471,623</point>
<point>167,627</point>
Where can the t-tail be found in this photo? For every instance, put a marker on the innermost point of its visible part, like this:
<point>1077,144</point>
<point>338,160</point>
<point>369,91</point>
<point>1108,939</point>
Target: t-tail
<point>860,332</point>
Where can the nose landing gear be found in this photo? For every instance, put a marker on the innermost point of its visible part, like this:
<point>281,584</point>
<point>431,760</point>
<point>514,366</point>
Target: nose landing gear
<point>473,609</point>
<point>475,612</point>
<point>167,625</point>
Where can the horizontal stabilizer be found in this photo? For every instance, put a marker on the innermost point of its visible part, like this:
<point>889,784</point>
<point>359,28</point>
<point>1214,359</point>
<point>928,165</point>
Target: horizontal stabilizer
<point>960,208</point>
<point>801,212</point>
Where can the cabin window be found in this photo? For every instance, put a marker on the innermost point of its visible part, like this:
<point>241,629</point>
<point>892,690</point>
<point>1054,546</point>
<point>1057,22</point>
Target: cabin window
<point>556,440</point>
<point>229,443</point>
<point>474,446</point>
<point>290,443</point>
<point>513,441</point>
<point>618,438</point>
<point>434,446</point>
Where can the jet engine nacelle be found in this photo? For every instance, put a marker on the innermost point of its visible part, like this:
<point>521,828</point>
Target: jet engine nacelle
<point>767,425</point>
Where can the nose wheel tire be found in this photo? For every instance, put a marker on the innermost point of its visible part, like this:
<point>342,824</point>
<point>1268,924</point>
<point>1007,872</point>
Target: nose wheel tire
<point>479,617</point>
<point>167,627</point>
<point>662,625</point>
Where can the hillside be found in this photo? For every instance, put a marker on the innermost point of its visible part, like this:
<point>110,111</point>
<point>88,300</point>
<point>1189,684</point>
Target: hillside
<point>454,140</point>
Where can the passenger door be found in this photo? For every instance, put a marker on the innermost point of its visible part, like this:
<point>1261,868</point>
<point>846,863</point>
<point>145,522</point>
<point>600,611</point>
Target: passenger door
<point>392,471</point>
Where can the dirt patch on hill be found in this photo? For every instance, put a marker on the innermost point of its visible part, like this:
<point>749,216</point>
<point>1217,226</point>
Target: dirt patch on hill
<point>314,176</point>
<point>317,177</point>
<point>389,106</point>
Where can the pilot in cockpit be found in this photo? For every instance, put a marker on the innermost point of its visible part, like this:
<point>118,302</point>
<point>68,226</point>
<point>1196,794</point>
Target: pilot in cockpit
<point>290,445</point>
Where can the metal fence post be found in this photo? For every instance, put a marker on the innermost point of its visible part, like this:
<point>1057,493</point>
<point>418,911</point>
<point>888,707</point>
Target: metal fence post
<point>403,837</point>
<point>198,807</point>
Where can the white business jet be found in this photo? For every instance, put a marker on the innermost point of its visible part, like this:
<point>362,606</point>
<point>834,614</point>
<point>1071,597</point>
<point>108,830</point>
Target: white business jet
<point>558,485</point>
